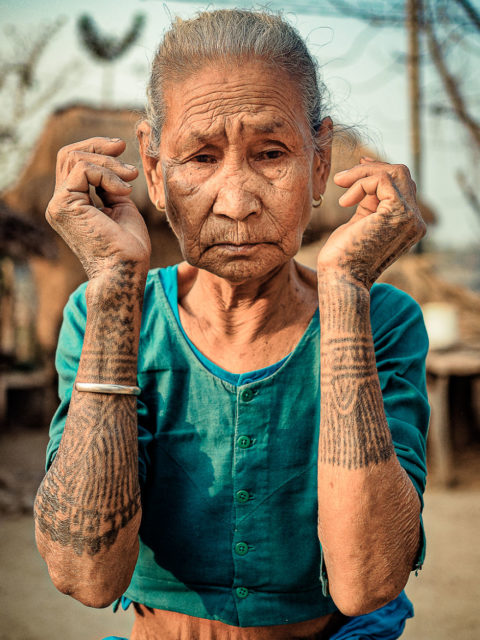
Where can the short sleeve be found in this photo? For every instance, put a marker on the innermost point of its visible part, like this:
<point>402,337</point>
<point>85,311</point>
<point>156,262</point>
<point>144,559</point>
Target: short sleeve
<point>401,346</point>
<point>69,349</point>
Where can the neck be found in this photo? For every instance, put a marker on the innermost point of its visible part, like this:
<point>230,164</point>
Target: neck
<point>273,310</point>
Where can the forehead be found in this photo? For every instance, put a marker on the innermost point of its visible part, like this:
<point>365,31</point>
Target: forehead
<point>223,100</point>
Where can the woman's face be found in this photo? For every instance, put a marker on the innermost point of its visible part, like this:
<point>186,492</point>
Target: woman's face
<point>237,170</point>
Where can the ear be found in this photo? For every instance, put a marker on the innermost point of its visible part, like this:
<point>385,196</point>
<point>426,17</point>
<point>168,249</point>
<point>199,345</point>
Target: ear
<point>151,166</point>
<point>323,157</point>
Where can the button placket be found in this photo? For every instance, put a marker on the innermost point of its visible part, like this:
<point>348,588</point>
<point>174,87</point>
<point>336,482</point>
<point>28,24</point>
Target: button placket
<point>243,481</point>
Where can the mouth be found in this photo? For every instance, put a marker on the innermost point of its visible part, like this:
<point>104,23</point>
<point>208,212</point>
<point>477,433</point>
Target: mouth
<point>240,247</point>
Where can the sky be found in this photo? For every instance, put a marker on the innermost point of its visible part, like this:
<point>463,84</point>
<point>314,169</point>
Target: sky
<point>368,89</point>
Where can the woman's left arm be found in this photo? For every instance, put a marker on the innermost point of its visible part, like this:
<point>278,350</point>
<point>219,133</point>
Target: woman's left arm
<point>369,510</point>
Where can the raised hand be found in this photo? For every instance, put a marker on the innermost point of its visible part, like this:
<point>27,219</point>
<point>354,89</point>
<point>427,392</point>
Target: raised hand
<point>102,238</point>
<point>386,223</point>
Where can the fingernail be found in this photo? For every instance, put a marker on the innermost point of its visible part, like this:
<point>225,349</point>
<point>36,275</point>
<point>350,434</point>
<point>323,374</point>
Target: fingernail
<point>339,173</point>
<point>130,166</point>
<point>116,139</point>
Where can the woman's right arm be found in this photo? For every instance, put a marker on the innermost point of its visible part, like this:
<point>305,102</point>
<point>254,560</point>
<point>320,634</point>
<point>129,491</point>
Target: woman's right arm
<point>87,510</point>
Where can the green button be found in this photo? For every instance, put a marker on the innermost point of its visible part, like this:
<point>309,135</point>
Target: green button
<point>242,592</point>
<point>242,496</point>
<point>244,442</point>
<point>241,548</point>
<point>246,395</point>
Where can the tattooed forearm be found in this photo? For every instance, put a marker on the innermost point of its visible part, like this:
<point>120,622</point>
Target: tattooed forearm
<point>91,491</point>
<point>368,510</point>
<point>353,432</point>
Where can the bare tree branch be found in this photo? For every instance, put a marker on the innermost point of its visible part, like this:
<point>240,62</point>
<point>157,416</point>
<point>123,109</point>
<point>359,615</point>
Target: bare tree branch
<point>450,84</point>
<point>470,11</point>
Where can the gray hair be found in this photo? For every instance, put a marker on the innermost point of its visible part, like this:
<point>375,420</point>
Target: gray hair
<point>223,35</point>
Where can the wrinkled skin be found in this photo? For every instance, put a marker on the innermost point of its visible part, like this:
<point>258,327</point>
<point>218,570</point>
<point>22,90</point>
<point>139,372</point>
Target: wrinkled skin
<point>237,169</point>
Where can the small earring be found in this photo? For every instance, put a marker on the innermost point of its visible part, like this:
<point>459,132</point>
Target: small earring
<point>158,207</point>
<point>316,204</point>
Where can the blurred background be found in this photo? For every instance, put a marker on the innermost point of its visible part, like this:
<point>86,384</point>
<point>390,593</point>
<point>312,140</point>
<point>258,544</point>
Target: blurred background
<point>403,81</point>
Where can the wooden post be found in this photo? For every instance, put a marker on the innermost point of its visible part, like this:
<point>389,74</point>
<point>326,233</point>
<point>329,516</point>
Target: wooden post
<point>439,433</point>
<point>414,8</point>
<point>413,15</point>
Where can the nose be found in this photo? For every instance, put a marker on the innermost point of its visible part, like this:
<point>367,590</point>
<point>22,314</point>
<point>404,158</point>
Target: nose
<point>234,200</point>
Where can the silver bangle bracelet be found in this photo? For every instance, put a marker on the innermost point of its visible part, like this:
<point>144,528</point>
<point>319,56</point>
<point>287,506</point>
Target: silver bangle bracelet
<point>94,387</point>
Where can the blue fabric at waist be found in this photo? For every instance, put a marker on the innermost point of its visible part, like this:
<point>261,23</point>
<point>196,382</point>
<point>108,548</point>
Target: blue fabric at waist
<point>386,623</point>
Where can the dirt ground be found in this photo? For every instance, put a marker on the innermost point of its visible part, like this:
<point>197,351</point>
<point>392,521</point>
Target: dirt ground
<point>446,593</point>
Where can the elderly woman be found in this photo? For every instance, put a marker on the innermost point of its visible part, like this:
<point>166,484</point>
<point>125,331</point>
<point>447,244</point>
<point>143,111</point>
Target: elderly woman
<point>267,480</point>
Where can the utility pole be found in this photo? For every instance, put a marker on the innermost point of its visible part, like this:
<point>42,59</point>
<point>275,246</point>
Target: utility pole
<point>413,15</point>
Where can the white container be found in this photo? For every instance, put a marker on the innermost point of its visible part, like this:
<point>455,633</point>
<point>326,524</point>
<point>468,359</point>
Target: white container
<point>441,321</point>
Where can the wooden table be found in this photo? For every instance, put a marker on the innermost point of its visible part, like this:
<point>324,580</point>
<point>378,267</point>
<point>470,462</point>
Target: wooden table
<point>441,366</point>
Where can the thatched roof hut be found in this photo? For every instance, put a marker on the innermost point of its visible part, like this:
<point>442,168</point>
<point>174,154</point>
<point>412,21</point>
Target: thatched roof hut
<point>55,280</point>
<point>34,189</point>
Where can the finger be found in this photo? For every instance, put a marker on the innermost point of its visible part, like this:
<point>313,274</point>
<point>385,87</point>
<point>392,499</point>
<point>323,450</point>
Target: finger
<point>124,213</point>
<point>85,174</point>
<point>110,198</point>
<point>125,171</point>
<point>367,206</point>
<point>360,190</point>
<point>399,172</point>
<point>102,145</point>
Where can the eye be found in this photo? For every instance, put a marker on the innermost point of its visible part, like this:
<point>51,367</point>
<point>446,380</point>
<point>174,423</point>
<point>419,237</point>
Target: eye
<point>270,154</point>
<point>204,158</point>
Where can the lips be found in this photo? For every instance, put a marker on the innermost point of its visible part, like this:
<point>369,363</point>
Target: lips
<point>237,248</point>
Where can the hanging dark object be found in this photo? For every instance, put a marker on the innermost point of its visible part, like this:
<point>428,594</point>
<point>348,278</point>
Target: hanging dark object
<point>107,47</point>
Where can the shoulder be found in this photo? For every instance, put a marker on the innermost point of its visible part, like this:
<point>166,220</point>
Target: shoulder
<point>382,293</point>
<point>397,320</point>
<point>387,303</point>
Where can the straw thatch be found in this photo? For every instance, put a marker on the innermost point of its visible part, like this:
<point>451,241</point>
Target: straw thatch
<point>417,275</point>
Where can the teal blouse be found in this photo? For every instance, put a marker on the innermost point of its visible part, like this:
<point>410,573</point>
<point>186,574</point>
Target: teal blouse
<point>229,472</point>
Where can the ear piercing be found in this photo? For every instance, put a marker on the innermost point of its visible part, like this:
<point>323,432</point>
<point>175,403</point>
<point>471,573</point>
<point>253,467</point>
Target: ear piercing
<point>158,207</point>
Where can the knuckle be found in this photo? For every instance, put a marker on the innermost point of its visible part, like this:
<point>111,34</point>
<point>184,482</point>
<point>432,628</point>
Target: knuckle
<point>51,213</point>
<point>402,170</point>
<point>83,165</point>
<point>63,151</point>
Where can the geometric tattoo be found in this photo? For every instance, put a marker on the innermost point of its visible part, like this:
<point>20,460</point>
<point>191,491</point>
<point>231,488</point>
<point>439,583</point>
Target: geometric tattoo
<point>91,490</point>
<point>353,429</point>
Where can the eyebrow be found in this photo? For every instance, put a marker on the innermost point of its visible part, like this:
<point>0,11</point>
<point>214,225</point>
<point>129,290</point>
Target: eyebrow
<point>195,138</point>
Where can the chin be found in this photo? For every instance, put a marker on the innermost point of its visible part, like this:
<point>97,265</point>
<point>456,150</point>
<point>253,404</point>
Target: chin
<point>238,270</point>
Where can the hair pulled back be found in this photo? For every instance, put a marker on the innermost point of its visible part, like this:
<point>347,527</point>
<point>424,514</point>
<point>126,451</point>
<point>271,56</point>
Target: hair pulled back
<point>222,36</point>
